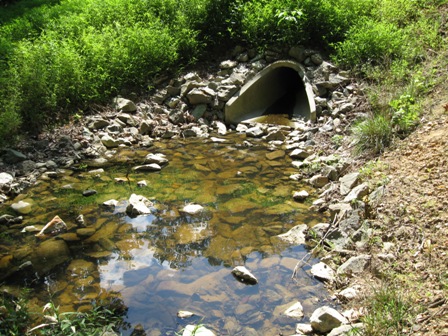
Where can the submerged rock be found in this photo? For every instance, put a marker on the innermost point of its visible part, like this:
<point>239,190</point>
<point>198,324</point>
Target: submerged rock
<point>294,311</point>
<point>244,275</point>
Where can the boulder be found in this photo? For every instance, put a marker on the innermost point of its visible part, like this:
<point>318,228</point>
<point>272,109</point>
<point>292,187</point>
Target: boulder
<point>138,205</point>
<point>318,181</point>
<point>326,318</point>
<point>244,275</point>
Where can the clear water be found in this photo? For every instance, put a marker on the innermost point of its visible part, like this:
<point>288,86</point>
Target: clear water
<point>168,261</point>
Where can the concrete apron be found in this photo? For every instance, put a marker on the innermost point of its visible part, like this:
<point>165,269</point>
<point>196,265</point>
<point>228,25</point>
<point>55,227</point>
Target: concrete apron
<point>280,88</point>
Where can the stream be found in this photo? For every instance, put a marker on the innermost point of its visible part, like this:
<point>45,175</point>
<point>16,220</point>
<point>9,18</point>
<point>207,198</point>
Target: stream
<point>167,261</point>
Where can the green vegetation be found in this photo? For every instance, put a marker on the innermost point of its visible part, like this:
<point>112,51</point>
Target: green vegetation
<point>389,312</point>
<point>59,57</point>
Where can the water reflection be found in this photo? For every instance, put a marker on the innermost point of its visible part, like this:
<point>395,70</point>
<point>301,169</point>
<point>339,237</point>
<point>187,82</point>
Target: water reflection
<point>168,261</point>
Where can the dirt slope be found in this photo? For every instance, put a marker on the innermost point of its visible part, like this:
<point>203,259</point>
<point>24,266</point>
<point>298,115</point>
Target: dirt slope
<point>414,216</point>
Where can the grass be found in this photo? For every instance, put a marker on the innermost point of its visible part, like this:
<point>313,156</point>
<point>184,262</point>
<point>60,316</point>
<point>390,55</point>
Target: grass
<point>389,312</point>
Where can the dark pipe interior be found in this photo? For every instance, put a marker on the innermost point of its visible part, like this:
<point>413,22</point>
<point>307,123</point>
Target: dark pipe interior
<point>293,89</point>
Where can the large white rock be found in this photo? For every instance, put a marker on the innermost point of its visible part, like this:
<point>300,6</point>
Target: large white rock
<point>158,158</point>
<point>326,318</point>
<point>296,235</point>
<point>5,180</point>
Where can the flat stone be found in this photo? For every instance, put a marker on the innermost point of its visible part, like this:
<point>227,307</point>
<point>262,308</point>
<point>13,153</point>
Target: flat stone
<point>278,154</point>
<point>151,167</point>
<point>192,209</point>
<point>158,158</point>
<point>299,153</point>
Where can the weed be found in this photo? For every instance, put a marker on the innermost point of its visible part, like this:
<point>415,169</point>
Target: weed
<point>389,312</point>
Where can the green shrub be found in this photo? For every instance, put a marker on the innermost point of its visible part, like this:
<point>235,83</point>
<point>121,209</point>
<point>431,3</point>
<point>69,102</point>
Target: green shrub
<point>370,42</point>
<point>373,134</point>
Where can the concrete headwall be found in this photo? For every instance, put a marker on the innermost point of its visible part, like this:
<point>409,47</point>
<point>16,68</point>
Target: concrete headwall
<point>280,88</point>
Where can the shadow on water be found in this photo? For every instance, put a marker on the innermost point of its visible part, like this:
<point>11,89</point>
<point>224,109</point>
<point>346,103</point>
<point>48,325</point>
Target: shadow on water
<point>167,261</point>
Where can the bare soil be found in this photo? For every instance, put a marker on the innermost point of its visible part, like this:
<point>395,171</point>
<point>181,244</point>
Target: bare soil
<point>413,215</point>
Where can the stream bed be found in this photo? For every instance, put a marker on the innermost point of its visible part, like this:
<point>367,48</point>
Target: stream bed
<point>167,261</point>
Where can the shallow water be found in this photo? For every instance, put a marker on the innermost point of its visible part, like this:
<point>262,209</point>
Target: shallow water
<point>168,261</point>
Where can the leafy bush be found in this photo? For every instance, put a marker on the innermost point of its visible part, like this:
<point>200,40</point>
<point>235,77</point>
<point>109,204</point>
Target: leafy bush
<point>370,42</point>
